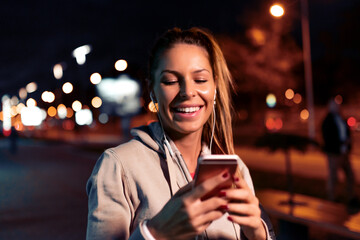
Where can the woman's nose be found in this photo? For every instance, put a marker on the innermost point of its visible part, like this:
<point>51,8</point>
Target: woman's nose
<point>187,90</point>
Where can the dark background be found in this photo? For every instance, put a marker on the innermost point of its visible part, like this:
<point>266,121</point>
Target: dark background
<point>37,34</point>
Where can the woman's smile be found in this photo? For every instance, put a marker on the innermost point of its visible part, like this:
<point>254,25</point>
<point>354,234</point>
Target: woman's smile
<point>187,112</point>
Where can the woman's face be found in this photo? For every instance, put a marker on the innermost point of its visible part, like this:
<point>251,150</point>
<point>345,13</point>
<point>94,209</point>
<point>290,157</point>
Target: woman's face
<point>184,88</point>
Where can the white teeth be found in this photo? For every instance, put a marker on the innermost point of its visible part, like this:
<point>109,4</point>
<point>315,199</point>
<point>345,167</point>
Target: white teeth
<point>188,109</point>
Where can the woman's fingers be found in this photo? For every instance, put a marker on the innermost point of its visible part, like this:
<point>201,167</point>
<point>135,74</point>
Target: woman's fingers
<point>249,222</point>
<point>210,185</point>
<point>242,209</point>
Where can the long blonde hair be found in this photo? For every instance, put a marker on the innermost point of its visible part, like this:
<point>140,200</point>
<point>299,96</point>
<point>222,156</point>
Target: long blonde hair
<point>223,135</point>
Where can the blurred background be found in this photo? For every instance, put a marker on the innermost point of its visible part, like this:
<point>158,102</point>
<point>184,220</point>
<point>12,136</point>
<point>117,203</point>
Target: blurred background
<point>72,84</point>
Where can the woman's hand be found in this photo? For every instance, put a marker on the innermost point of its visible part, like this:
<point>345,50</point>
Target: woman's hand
<point>243,209</point>
<point>185,215</point>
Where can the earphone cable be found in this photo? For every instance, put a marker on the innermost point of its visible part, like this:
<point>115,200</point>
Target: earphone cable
<point>213,128</point>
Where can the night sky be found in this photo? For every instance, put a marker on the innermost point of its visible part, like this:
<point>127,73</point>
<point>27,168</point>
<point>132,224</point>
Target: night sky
<point>38,34</point>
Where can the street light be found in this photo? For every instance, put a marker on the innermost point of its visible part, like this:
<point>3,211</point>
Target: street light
<point>278,11</point>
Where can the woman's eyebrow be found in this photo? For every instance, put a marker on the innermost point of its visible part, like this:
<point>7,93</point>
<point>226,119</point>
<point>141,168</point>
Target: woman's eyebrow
<point>177,73</point>
<point>201,70</point>
<point>168,71</point>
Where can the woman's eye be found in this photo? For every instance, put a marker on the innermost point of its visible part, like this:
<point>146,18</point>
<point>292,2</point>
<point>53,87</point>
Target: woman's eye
<point>169,82</point>
<point>200,80</point>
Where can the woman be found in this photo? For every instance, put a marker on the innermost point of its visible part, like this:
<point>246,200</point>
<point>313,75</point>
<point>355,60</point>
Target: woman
<point>143,189</point>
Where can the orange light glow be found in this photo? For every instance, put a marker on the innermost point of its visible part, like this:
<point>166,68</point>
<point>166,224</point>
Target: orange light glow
<point>69,113</point>
<point>289,94</point>
<point>304,114</point>
<point>68,125</point>
<point>297,98</point>
<point>274,124</point>
<point>51,111</point>
<point>152,107</point>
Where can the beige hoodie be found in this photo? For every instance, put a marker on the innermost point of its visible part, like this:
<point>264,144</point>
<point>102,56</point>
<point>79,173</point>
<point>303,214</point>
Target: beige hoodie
<point>133,181</point>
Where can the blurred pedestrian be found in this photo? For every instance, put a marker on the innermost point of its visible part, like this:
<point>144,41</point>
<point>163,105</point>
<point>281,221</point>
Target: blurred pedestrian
<point>337,145</point>
<point>13,138</point>
<point>143,189</point>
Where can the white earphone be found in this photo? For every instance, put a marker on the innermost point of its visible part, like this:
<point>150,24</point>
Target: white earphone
<point>151,97</point>
<point>214,121</point>
<point>215,97</point>
<point>165,138</point>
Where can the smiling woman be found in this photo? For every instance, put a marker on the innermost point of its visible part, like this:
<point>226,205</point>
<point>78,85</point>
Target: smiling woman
<point>144,189</point>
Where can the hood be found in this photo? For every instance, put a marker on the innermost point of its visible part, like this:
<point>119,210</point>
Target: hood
<point>151,135</point>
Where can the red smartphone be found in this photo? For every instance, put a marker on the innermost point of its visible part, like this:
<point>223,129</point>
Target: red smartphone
<point>211,165</point>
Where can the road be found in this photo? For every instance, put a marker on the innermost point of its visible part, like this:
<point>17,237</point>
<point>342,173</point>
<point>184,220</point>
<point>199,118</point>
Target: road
<point>42,190</point>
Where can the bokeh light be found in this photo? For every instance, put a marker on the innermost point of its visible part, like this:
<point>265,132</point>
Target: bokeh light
<point>58,71</point>
<point>95,78</point>
<point>274,124</point>
<point>103,118</point>
<point>289,94</point>
<point>31,116</point>
<point>48,97</point>
<point>153,107</point>
<point>297,98</point>
<point>14,100</point>
<point>61,111</point>
<point>96,102</point>
<point>80,54</point>
<point>22,93</point>
<point>76,105</point>
<point>19,107</point>
<point>83,117</point>
<point>6,107</point>
<point>70,112</point>
<point>351,121</point>
<point>121,65</point>
<point>304,114</point>
<point>51,111</point>
<point>31,102</point>
<point>67,87</point>
<point>13,111</point>
<point>338,99</point>
<point>31,87</point>
<point>271,100</point>
<point>277,10</point>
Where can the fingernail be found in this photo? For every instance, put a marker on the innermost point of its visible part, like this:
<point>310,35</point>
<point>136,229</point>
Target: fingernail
<point>222,194</point>
<point>230,218</point>
<point>225,175</point>
<point>224,207</point>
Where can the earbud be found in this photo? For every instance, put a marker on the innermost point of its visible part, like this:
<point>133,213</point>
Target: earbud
<point>215,97</point>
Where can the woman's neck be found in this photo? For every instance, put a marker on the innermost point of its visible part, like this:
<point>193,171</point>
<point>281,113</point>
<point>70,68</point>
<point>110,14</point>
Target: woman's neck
<point>190,147</point>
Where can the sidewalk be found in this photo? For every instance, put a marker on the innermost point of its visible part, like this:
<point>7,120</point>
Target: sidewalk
<point>310,164</point>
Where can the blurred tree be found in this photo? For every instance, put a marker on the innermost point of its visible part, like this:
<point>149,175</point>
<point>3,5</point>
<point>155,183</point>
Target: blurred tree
<point>266,58</point>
